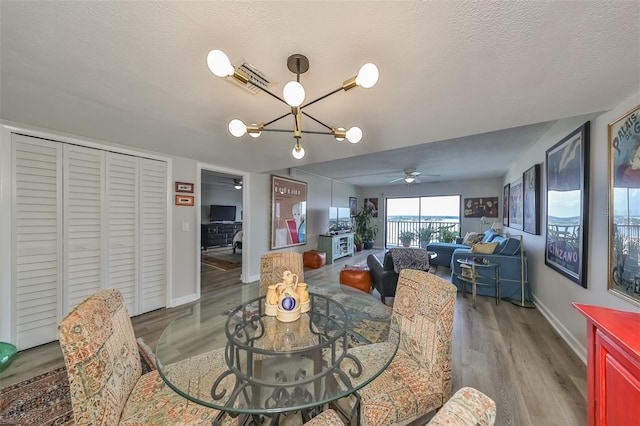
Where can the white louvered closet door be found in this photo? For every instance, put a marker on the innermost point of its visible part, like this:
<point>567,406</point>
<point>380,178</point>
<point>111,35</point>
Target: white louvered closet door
<point>122,227</point>
<point>83,204</point>
<point>37,240</point>
<point>153,235</point>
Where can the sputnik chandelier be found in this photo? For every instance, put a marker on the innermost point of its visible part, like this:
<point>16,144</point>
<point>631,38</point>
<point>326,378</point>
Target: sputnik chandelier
<point>293,95</point>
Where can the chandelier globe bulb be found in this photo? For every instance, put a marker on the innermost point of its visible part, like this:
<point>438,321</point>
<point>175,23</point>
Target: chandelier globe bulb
<point>298,152</point>
<point>237,128</point>
<point>354,134</point>
<point>293,93</point>
<point>219,63</point>
<point>367,76</point>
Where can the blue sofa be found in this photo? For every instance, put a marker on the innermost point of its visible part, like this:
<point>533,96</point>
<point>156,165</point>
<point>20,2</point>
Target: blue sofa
<point>507,255</point>
<point>444,251</point>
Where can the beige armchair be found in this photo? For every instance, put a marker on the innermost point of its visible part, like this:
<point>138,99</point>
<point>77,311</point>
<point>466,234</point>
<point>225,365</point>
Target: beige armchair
<point>272,265</point>
<point>467,407</point>
<point>418,380</point>
<point>105,377</point>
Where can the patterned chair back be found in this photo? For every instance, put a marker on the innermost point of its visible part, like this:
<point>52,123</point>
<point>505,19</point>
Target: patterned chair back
<point>272,265</point>
<point>101,355</point>
<point>424,306</point>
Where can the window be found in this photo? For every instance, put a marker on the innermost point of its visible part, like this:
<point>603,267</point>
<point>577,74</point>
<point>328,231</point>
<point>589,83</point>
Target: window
<point>413,214</point>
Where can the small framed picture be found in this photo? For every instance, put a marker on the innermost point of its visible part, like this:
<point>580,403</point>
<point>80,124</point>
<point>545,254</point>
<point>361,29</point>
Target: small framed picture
<point>184,200</point>
<point>184,187</point>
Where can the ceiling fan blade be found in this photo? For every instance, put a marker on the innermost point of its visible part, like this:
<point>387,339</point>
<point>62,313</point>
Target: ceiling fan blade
<point>395,180</point>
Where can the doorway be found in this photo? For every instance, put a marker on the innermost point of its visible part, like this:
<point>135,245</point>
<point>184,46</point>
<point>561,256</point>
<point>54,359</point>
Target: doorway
<point>221,228</point>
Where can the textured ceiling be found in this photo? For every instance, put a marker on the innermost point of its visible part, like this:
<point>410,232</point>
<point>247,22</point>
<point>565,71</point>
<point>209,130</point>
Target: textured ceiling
<point>454,76</point>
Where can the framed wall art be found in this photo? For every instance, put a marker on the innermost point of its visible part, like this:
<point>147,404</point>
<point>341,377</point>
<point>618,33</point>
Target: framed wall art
<point>568,205</point>
<point>288,212</point>
<point>515,204</point>
<point>624,206</point>
<point>505,205</point>
<point>184,187</point>
<point>353,206</point>
<point>479,207</point>
<point>184,200</point>
<point>531,200</point>
<point>372,204</point>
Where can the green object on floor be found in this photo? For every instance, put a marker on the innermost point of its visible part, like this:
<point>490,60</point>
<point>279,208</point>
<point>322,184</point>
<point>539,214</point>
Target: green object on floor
<point>7,354</point>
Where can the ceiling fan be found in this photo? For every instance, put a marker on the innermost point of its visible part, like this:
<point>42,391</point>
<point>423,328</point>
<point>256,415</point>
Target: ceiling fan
<point>410,176</point>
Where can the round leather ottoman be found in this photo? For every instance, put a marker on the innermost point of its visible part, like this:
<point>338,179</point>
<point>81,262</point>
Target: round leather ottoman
<point>314,259</point>
<point>356,277</point>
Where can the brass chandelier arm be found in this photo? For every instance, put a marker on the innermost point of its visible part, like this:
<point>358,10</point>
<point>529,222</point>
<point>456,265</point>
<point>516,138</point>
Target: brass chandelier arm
<point>311,132</point>
<point>321,98</point>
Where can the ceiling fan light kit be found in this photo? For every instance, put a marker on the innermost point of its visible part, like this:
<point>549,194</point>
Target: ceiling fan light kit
<point>293,95</point>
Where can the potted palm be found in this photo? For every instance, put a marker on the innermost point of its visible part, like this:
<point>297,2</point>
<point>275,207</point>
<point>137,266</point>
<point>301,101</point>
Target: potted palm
<point>424,236</point>
<point>364,229</point>
<point>406,237</point>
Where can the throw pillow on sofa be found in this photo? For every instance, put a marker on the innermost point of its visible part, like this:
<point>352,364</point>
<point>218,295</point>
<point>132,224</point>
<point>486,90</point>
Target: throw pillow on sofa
<point>484,248</point>
<point>472,238</point>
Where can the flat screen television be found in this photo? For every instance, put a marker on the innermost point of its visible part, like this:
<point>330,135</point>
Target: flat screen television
<point>222,213</point>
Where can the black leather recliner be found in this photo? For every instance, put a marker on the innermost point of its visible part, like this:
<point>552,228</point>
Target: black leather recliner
<point>383,277</point>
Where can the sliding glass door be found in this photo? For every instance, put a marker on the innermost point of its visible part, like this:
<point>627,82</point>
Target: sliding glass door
<point>424,219</point>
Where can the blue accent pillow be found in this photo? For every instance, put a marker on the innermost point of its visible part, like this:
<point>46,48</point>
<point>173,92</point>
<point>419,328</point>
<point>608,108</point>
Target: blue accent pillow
<point>502,242</point>
<point>511,248</point>
<point>488,236</point>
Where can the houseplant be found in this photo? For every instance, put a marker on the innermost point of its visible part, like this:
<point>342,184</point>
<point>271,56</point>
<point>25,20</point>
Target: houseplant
<point>446,234</point>
<point>406,237</point>
<point>424,236</point>
<point>364,229</point>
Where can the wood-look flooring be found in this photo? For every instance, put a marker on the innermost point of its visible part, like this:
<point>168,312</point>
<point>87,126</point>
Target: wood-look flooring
<point>510,353</point>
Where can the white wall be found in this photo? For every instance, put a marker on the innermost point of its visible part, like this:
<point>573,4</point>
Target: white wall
<point>554,293</point>
<point>322,193</point>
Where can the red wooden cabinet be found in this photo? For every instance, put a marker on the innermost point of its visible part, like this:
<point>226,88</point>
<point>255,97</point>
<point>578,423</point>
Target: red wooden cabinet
<point>613,366</point>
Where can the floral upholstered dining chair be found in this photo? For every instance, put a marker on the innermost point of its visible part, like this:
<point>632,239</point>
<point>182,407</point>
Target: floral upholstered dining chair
<point>418,380</point>
<point>105,377</point>
<point>272,265</point>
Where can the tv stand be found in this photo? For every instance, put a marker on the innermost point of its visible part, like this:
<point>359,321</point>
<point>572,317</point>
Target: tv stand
<point>336,246</point>
<point>218,234</point>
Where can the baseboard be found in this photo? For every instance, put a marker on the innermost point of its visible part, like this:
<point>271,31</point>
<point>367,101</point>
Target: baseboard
<point>578,348</point>
<point>182,300</point>
<point>252,278</point>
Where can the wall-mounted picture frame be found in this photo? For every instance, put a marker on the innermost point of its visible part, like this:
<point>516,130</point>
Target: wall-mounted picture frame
<point>372,204</point>
<point>288,212</point>
<point>184,200</point>
<point>516,210</point>
<point>505,205</point>
<point>184,187</point>
<point>531,200</point>
<point>353,206</point>
<point>624,206</point>
<point>568,205</point>
<point>479,207</point>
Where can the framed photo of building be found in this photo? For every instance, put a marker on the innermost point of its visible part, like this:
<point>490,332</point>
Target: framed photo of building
<point>516,213</point>
<point>568,205</point>
<point>353,206</point>
<point>624,206</point>
<point>288,212</point>
<point>531,200</point>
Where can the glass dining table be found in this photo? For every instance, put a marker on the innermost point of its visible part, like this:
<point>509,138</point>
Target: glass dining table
<point>224,352</point>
